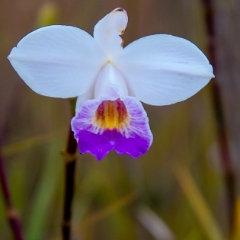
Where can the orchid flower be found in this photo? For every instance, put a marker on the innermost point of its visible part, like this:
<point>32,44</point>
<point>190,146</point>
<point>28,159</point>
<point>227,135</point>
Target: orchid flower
<point>109,80</point>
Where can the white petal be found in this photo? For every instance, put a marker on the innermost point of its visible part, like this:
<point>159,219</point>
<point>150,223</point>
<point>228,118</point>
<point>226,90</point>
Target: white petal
<point>86,96</point>
<point>110,84</point>
<point>58,61</point>
<point>163,69</point>
<point>108,30</point>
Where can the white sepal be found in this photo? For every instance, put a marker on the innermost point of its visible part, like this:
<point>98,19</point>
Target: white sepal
<point>108,30</point>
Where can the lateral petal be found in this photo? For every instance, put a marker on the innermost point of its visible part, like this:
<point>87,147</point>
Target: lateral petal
<point>58,61</point>
<point>163,69</point>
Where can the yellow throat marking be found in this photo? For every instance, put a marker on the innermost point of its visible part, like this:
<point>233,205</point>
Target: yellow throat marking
<point>111,115</point>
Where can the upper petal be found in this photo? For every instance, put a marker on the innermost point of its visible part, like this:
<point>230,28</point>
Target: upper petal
<point>108,30</point>
<point>58,61</point>
<point>163,69</point>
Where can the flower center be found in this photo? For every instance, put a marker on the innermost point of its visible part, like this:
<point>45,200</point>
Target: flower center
<point>111,115</point>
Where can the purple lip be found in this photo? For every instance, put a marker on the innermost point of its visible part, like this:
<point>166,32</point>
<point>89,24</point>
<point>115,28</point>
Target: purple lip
<point>120,125</point>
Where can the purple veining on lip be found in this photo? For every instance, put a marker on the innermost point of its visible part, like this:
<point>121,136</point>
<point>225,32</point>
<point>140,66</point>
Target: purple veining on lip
<point>134,139</point>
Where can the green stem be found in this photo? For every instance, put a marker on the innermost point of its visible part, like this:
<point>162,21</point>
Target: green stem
<point>69,156</point>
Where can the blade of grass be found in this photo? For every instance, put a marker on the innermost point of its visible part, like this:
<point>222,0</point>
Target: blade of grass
<point>154,224</point>
<point>107,211</point>
<point>11,212</point>
<point>236,227</point>
<point>198,203</point>
<point>39,212</point>
<point>30,143</point>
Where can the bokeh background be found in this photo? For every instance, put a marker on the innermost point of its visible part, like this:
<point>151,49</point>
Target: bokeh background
<point>178,189</point>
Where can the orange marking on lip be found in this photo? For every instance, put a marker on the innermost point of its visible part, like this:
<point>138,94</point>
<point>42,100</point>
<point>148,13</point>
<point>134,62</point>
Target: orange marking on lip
<point>111,115</point>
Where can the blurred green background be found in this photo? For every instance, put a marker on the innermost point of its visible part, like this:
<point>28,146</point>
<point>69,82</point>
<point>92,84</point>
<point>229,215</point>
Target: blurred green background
<point>175,191</point>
